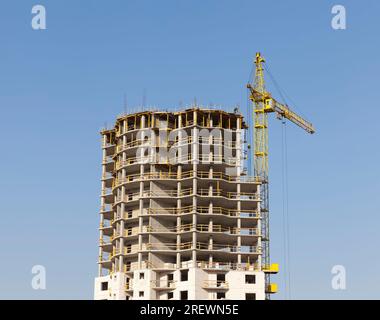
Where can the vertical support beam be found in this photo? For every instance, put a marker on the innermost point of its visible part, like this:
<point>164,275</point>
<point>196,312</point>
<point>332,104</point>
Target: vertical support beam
<point>179,188</point>
<point>195,144</point>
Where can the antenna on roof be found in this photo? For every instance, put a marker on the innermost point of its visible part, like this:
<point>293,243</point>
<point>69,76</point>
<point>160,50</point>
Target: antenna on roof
<point>125,103</point>
<point>144,98</point>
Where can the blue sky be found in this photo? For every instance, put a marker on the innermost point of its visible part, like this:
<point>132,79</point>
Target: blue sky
<point>59,86</point>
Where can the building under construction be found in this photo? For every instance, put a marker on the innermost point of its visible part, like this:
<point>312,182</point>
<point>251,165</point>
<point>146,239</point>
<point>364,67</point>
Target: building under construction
<point>180,218</point>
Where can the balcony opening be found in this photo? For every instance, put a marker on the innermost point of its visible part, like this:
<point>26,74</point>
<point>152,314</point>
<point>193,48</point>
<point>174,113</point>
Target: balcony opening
<point>170,295</point>
<point>250,296</point>
<point>104,286</point>
<point>184,275</point>
<point>220,295</point>
<point>183,295</point>
<point>250,278</point>
<point>220,279</point>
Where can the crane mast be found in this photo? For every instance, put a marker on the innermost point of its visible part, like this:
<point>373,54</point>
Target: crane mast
<point>263,103</point>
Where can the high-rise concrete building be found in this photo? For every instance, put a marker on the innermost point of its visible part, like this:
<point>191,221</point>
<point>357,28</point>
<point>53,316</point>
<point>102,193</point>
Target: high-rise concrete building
<point>180,218</point>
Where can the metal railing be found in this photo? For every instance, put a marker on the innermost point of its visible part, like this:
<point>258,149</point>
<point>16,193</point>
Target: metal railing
<point>167,246</point>
<point>132,144</point>
<point>107,159</point>
<point>214,265</point>
<point>245,231</point>
<point>201,228</point>
<point>215,284</point>
<point>180,142</point>
<point>128,215</point>
<point>228,195</point>
<point>104,224</point>
<point>103,242</point>
<point>170,193</point>
<point>184,175</point>
<point>170,210</point>
<point>222,265</point>
<point>184,210</point>
<point>134,160</point>
<point>132,266</point>
<point>175,229</point>
<point>227,248</point>
<point>107,144</point>
<point>161,246</point>
<point>107,175</point>
<point>154,158</point>
<point>163,284</point>
<point>106,208</point>
<point>106,258</point>
<point>106,192</point>
<point>205,210</point>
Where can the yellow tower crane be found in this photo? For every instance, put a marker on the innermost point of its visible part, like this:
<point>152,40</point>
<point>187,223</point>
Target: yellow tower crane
<point>264,103</point>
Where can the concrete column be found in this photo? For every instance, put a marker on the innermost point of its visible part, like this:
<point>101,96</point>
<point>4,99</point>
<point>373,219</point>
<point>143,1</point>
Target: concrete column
<point>143,121</point>
<point>210,246</point>
<point>179,220</point>
<point>194,221</point>
<point>141,210</point>
<point>179,203</point>
<point>100,248</point>
<point>259,242</point>
<point>121,246</point>
<point>195,144</point>
<point>153,157</point>
<point>102,201</point>
<point>238,225</point>
<point>239,149</point>
<point>123,197</point>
